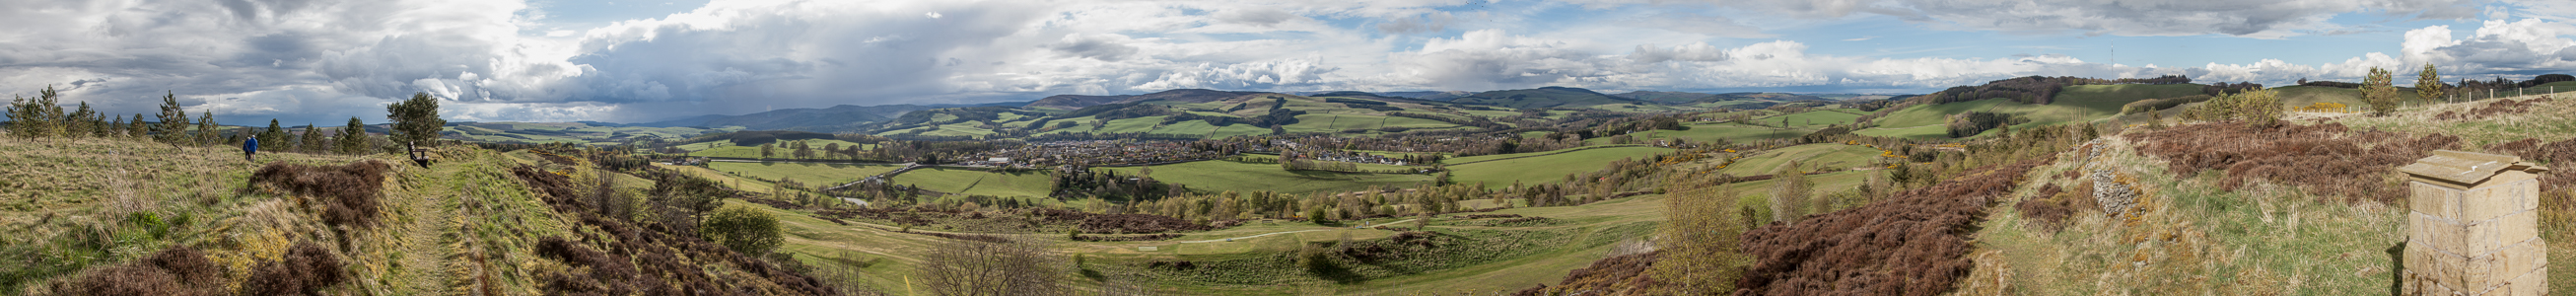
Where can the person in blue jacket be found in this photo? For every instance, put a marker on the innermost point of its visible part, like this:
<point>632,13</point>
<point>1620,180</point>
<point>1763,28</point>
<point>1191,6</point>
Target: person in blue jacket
<point>249,146</point>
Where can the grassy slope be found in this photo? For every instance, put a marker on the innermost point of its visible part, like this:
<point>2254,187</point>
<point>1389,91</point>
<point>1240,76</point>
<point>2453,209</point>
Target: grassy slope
<point>1219,175</point>
<point>973,182</point>
<point>1545,169</point>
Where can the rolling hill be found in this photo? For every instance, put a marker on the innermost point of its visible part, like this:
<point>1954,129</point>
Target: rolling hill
<point>1544,97</point>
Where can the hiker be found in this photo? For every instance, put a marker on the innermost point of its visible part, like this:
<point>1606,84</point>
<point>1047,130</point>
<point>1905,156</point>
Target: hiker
<point>250,145</point>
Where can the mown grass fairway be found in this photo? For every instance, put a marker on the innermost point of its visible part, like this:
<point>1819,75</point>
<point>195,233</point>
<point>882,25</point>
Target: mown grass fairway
<point>974,182</point>
<point>1219,175</point>
<point>1545,169</point>
<point>812,174</point>
<point>1810,157</point>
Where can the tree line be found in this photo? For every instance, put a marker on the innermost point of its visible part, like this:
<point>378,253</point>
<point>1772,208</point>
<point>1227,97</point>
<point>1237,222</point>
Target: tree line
<point>414,120</point>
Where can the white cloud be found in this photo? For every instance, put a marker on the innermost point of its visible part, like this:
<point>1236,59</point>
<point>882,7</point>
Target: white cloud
<point>324,61</point>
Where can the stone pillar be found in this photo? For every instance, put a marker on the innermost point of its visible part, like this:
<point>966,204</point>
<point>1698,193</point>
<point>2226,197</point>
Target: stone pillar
<point>2473,226</point>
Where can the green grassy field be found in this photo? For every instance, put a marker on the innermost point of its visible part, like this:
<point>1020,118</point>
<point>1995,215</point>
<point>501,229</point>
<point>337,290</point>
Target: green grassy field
<point>1219,175</point>
<point>1726,131</point>
<point>1810,157</point>
<point>974,182</point>
<point>1815,119</point>
<point>812,174</point>
<point>1544,169</point>
<point>1925,132</point>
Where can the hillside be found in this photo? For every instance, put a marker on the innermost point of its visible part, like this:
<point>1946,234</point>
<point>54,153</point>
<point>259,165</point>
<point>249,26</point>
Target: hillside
<point>577,133</point>
<point>1544,97</point>
<point>1071,102</point>
<point>121,216</point>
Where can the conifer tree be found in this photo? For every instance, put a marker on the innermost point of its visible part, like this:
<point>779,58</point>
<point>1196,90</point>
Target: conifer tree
<point>2375,90</point>
<point>313,141</point>
<point>174,120</point>
<point>205,128</point>
<point>353,138</point>
<point>415,120</point>
<point>135,128</point>
<point>2428,84</point>
<point>275,137</point>
<point>115,127</point>
<point>78,123</point>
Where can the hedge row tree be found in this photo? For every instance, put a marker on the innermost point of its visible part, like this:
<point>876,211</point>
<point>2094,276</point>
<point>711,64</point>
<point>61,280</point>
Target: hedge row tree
<point>353,138</point>
<point>2375,90</point>
<point>415,120</point>
<point>2428,84</point>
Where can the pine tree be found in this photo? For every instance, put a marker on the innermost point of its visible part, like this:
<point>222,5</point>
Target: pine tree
<point>115,127</point>
<point>274,139</point>
<point>205,128</point>
<point>415,120</point>
<point>22,119</point>
<point>135,128</point>
<point>2428,84</point>
<point>314,142</point>
<point>79,124</point>
<point>174,120</point>
<point>2375,90</point>
<point>353,138</point>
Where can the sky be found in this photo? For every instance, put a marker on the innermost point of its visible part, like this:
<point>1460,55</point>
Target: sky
<point>323,61</point>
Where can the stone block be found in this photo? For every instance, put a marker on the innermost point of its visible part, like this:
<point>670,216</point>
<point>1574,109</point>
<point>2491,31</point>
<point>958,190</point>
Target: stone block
<point>2487,203</point>
<point>2535,283</point>
<point>2478,274</point>
<point>2442,202</point>
<point>2519,227</point>
<point>2522,258</point>
<point>2436,233</point>
<point>2483,237</point>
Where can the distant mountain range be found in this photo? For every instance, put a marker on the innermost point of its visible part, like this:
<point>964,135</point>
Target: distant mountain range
<point>852,118</point>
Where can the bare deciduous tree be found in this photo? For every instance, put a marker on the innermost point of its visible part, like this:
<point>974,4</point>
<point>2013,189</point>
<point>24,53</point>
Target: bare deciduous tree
<point>1013,267</point>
